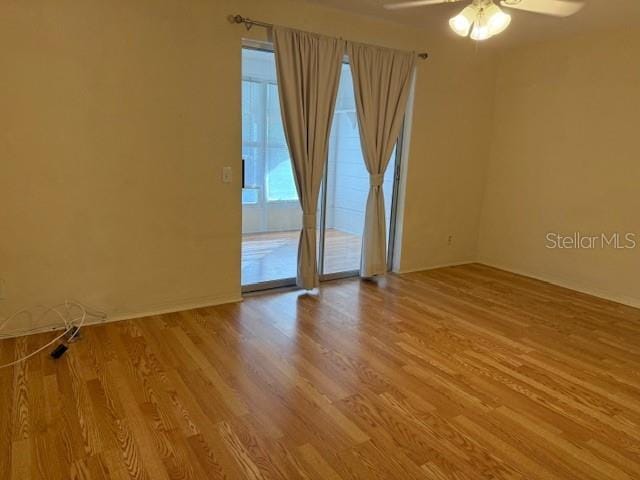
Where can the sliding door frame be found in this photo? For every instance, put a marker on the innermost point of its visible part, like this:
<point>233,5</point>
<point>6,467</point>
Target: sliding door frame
<point>393,213</point>
<point>291,282</point>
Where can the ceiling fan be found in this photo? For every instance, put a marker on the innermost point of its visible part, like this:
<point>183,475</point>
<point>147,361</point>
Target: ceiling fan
<point>484,19</point>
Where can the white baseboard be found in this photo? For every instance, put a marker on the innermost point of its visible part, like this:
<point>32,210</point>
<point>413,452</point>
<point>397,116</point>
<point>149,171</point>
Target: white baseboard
<point>434,267</point>
<point>171,307</point>
<point>201,302</point>
<point>552,279</point>
<point>146,311</point>
<point>567,283</point>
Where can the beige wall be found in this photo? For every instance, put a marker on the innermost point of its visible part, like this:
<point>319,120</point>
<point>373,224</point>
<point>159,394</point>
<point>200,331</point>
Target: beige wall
<point>566,158</point>
<point>449,150</point>
<point>116,119</point>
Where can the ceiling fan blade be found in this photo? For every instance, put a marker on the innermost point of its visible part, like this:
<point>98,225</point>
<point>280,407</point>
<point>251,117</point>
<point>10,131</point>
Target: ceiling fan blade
<point>556,8</point>
<point>416,3</point>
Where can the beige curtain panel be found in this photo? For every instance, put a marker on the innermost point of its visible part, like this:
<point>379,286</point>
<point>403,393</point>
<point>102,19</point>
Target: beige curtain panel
<point>308,69</point>
<point>381,81</point>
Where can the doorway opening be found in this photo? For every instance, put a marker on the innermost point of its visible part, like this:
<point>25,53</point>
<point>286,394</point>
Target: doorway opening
<point>271,213</point>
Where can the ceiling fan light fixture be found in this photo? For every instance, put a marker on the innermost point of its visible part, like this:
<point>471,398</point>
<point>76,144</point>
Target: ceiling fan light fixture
<point>462,23</point>
<point>484,19</point>
<point>497,20</point>
<point>480,30</point>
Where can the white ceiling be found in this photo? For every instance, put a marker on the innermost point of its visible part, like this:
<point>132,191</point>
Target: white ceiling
<point>597,14</point>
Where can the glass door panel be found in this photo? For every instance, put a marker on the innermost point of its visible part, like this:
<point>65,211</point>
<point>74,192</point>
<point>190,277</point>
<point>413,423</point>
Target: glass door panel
<point>348,186</point>
<point>271,214</point>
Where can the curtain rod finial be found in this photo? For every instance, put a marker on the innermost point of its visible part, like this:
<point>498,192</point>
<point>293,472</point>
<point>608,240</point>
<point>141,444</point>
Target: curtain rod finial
<point>240,19</point>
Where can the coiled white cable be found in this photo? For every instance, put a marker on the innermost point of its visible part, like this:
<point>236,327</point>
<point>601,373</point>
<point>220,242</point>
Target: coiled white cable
<point>69,325</point>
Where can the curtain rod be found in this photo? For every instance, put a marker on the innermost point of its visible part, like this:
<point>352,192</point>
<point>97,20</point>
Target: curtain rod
<point>248,23</point>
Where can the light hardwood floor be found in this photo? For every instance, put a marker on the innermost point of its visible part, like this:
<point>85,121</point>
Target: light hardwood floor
<point>273,256</point>
<point>457,373</point>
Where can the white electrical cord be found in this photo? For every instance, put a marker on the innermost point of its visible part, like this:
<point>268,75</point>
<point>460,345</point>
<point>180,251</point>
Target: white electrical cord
<point>68,326</point>
<point>28,312</point>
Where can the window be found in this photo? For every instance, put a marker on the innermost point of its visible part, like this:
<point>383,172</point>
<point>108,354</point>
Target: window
<point>279,174</point>
<point>268,171</point>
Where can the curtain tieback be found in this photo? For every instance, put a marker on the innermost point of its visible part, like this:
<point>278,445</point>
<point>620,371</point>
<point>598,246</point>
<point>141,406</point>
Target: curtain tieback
<point>375,180</point>
<point>309,221</point>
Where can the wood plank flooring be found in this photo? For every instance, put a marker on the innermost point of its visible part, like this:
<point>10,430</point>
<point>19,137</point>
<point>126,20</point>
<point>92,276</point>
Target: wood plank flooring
<point>457,373</point>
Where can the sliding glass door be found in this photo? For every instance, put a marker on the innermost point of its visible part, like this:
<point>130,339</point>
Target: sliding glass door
<point>271,213</point>
<point>347,186</point>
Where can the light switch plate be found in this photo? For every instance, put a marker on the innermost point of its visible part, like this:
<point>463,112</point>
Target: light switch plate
<point>227,175</point>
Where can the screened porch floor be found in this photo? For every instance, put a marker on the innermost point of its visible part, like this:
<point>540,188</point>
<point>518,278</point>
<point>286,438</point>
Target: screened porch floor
<point>272,256</point>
